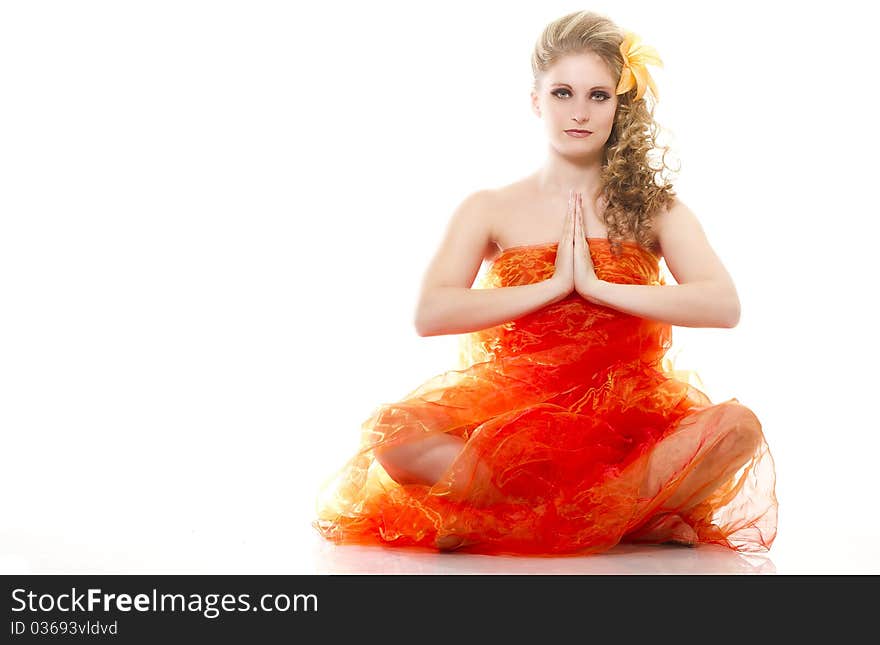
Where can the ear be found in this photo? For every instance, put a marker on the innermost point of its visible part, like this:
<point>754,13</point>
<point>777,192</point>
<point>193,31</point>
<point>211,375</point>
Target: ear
<point>535,105</point>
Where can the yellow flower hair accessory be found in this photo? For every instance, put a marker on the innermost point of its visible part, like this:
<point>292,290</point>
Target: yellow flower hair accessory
<point>634,74</point>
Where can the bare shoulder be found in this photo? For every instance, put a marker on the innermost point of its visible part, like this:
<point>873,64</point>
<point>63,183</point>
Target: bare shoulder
<point>505,213</point>
<point>463,248</point>
<point>503,204</point>
<point>512,192</point>
<point>487,205</point>
<point>683,244</point>
<point>673,222</point>
<point>665,217</point>
<point>474,216</point>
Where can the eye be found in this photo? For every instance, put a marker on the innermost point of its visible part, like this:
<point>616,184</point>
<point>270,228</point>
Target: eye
<point>604,97</point>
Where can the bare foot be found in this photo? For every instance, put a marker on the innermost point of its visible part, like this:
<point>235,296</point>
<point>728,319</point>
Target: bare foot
<point>449,542</point>
<point>666,528</point>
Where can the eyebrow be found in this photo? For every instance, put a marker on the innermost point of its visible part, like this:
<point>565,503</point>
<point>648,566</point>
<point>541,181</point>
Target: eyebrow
<point>595,87</point>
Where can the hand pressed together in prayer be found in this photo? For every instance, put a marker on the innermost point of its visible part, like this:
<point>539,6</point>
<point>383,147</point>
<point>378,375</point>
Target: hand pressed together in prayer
<point>585,278</point>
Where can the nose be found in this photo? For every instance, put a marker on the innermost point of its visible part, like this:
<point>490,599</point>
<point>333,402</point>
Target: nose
<point>580,112</point>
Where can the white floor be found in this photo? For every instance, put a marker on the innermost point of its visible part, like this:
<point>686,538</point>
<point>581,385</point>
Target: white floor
<point>300,551</point>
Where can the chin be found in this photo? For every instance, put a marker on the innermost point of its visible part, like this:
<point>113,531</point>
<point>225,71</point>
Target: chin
<point>576,144</point>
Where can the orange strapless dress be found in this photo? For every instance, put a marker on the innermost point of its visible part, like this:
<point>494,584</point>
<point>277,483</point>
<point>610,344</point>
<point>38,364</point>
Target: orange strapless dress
<point>563,409</point>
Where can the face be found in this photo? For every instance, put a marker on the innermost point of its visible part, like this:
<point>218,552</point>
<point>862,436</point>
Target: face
<point>577,92</point>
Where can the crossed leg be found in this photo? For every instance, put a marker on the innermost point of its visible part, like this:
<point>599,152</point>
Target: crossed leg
<point>427,459</point>
<point>720,439</point>
<point>420,461</point>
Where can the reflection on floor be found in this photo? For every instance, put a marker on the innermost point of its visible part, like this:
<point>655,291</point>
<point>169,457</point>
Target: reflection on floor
<point>288,547</point>
<point>792,554</point>
<point>622,560</point>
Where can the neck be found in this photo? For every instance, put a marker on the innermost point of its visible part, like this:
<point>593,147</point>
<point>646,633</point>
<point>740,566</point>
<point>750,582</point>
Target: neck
<point>559,174</point>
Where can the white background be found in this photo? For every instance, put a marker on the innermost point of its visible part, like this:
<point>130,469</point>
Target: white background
<point>215,217</point>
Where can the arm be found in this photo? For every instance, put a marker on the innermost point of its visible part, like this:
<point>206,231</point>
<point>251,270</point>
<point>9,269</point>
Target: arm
<point>458,310</point>
<point>447,302</point>
<point>705,295</point>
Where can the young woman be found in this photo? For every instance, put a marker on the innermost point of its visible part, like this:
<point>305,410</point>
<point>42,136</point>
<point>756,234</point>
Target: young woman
<point>564,430</point>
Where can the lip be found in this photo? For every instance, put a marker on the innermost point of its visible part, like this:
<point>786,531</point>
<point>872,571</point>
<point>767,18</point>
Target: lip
<point>578,134</point>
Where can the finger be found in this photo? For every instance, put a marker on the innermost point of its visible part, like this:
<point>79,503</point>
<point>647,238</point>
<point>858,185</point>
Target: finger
<point>579,213</point>
<point>587,257</point>
<point>584,248</point>
<point>569,218</point>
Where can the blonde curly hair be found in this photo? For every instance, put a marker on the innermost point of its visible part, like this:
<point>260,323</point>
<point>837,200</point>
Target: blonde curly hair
<point>633,190</point>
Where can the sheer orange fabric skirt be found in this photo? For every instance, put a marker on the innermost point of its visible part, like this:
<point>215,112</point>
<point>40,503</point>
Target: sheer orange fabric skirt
<point>578,435</point>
